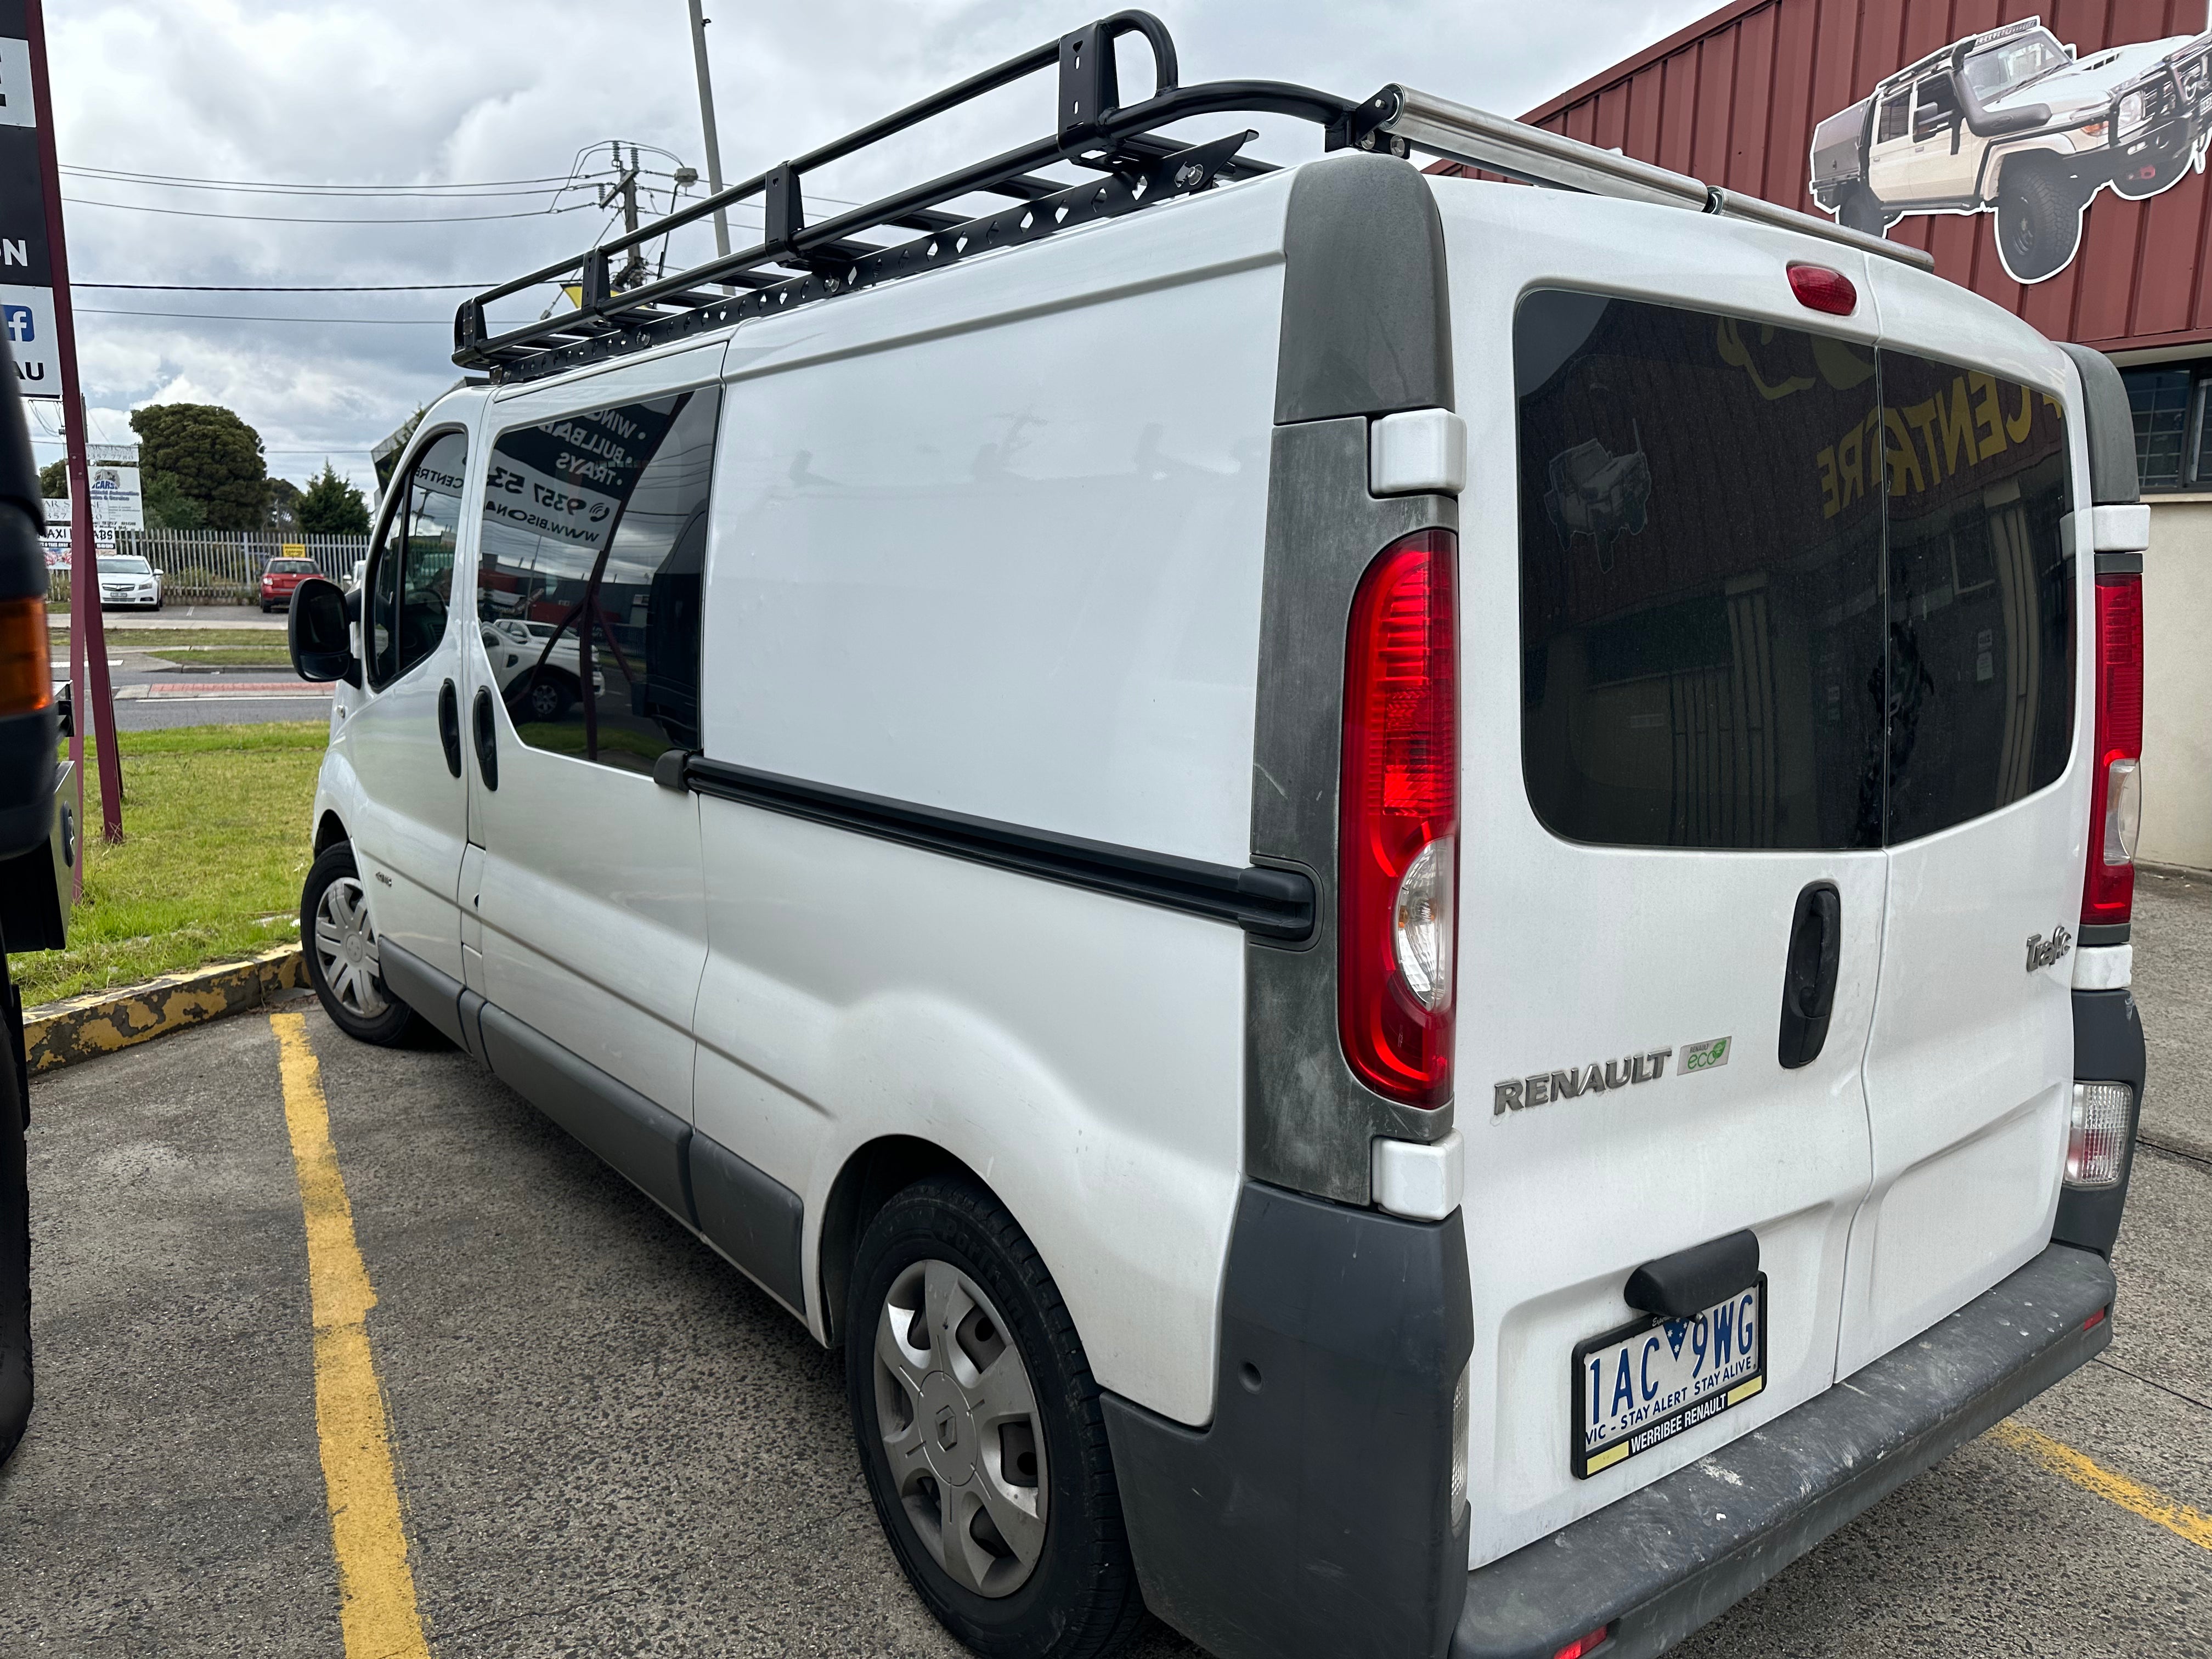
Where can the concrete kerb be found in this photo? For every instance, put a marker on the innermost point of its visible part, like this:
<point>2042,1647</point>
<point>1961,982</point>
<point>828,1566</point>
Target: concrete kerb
<point>101,1022</point>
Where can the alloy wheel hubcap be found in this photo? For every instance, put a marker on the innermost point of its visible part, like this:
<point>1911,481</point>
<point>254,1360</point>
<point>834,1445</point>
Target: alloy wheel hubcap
<point>345,949</point>
<point>958,1417</point>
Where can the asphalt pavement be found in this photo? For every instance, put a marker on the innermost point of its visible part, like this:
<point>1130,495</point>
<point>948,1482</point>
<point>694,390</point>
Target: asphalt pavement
<point>153,693</point>
<point>604,1442</point>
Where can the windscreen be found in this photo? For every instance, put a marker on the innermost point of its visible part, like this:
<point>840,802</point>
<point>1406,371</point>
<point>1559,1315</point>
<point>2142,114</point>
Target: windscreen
<point>1779,590</point>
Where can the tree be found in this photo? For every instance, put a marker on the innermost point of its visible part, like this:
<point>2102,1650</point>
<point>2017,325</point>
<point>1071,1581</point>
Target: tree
<point>167,506</point>
<point>53,481</point>
<point>213,457</point>
<point>331,507</point>
<point>284,504</point>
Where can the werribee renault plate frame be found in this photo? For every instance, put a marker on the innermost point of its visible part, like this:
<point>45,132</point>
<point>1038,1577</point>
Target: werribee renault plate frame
<point>1710,1345</point>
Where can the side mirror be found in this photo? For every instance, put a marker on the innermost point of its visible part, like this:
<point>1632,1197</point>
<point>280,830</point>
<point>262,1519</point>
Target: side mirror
<point>316,631</point>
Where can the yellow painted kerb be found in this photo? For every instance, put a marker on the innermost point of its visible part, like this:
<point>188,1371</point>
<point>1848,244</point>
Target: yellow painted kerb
<point>2063,1459</point>
<point>368,1534</point>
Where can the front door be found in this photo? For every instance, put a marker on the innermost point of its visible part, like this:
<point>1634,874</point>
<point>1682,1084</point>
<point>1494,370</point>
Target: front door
<point>583,653</point>
<point>1672,878</point>
<point>410,828</point>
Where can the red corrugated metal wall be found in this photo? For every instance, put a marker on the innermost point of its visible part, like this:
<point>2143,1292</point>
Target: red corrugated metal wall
<point>1733,99</point>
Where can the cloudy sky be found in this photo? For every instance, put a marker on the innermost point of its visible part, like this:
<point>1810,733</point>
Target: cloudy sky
<point>482,108</point>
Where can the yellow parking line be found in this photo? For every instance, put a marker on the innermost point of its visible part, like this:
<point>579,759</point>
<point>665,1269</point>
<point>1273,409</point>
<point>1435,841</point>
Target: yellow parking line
<point>2062,1459</point>
<point>376,1590</point>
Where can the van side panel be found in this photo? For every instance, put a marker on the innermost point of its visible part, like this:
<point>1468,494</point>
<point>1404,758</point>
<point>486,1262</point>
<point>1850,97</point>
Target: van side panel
<point>998,551</point>
<point>1008,563</point>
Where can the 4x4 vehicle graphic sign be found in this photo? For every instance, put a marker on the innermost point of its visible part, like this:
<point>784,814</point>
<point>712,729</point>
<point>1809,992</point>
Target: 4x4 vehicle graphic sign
<point>2011,122</point>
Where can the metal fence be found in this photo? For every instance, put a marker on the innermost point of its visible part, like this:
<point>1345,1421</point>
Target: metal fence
<point>219,567</point>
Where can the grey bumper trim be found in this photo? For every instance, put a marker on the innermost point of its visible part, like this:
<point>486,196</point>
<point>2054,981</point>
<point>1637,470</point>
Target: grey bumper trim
<point>1662,1562</point>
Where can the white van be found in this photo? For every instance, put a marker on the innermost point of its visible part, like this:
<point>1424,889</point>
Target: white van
<point>1338,1050</point>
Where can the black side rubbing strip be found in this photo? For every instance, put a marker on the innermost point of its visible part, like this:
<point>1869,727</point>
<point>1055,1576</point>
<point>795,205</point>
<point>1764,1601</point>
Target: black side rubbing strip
<point>434,994</point>
<point>753,1218</point>
<point>1279,904</point>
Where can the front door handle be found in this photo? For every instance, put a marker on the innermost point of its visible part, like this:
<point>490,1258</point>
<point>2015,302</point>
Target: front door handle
<point>487,745</point>
<point>449,726</point>
<point>1808,975</point>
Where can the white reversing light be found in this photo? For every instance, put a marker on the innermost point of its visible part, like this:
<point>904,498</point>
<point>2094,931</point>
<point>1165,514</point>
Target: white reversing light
<point>2097,1138</point>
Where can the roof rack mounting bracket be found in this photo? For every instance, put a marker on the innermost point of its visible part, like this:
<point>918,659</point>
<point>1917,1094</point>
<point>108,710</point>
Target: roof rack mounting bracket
<point>1090,90</point>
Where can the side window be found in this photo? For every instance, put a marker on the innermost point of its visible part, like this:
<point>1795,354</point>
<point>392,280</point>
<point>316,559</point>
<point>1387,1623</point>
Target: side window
<point>1700,564</point>
<point>1896,117</point>
<point>1981,593</point>
<point>588,577</point>
<point>410,576</point>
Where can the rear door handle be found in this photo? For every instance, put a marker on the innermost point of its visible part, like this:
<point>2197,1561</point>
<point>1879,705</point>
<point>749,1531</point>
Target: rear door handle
<point>1808,975</point>
<point>487,745</point>
<point>449,726</point>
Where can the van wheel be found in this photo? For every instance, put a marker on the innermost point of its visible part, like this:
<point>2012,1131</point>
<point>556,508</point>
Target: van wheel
<point>547,699</point>
<point>1862,209</point>
<point>2038,224</point>
<point>341,952</point>
<point>980,1433</point>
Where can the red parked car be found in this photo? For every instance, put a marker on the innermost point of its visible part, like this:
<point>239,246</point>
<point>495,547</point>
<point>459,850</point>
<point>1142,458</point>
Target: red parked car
<point>282,576</point>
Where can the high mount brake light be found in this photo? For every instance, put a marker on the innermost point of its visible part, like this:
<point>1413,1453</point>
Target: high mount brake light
<point>1819,288</point>
<point>27,684</point>
<point>2108,891</point>
<point>1398,833</point>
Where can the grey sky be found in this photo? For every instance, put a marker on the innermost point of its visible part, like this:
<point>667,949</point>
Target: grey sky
<point>408,92</point>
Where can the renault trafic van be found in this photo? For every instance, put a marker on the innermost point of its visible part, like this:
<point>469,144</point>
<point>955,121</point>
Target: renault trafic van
<point>1340,1046</point>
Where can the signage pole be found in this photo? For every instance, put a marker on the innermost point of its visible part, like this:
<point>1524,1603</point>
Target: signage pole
<point>88,636</point>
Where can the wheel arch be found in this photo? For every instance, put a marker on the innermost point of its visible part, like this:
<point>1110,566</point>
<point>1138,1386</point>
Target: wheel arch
<point>874,1173</point>
<point>330,830</point>
<point>2036,154</point>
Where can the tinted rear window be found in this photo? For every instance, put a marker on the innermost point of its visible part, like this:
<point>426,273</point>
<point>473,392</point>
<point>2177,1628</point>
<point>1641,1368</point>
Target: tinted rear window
<point>1778,591</point>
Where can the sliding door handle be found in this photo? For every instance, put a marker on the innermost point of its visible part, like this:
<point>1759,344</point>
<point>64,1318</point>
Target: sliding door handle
<point>1808,975</point>
<point>449,726</point>
<point>487,740</point>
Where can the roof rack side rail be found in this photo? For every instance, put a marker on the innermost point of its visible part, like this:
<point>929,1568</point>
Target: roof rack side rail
<point>1537,156</point>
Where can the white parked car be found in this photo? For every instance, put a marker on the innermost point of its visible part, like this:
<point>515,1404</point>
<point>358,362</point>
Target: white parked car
<point>1094,724</point>
<point>128,582</point>
<point>538,668</point>
<point>2011,121</point>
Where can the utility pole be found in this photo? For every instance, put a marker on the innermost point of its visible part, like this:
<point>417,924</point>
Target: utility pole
<point>706,120</point>
<point>87,635</point>
<point>625,186</point>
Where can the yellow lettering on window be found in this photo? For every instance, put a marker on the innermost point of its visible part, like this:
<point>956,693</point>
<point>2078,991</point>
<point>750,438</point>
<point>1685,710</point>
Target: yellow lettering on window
<point>1924,418</point>
<point>1989,416</point>
<point>1904,461</point>
<point>1847,465</point>
<point>1958,429</point>
<point>1831,503</point>
<point>2016,426</point>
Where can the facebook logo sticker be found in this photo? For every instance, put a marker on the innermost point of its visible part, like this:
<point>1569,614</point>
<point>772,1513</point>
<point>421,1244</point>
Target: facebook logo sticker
<point>20,331</point>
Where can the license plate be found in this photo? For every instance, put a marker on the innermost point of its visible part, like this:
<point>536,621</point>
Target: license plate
<point>1638,1386</point>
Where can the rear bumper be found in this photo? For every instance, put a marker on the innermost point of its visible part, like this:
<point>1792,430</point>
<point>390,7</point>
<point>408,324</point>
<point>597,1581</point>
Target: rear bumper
<point>1662,1561</point>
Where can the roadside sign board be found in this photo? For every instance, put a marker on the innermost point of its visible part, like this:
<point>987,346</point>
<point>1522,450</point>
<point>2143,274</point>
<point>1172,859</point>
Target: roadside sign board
<point>27,279</point>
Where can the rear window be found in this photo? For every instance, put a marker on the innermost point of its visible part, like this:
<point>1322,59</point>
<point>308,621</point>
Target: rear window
<point>1779,590</point>
<point>292,567</point>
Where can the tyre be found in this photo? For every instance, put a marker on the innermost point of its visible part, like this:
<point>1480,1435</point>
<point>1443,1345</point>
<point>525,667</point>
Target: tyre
<point>2039,223</point>
<point>980,1433</point>
<point>340,942</point>
<point>546,698</point>
<point>15,1256</point>
<point>1862,209</point>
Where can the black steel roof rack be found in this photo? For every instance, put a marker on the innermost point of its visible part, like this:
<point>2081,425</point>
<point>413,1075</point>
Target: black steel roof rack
<point>1132,166</point>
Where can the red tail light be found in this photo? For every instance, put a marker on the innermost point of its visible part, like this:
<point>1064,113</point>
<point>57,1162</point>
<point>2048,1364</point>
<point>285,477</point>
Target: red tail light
<point>1819,288</point>
<point>26,687</point>
<point>2115,788</point>
<point>1398,837</point>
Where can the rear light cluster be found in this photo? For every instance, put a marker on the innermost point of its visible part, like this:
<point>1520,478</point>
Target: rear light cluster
<point>1582,1646</point>
<point>1398,839</point>
<point>2097,1135</point>
<point>2116,789</point>
<point>26,686</point>
<point>1819,288</point>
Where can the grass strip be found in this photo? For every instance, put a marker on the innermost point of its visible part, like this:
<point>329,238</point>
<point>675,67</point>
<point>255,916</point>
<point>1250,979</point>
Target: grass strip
<point>217,843</point>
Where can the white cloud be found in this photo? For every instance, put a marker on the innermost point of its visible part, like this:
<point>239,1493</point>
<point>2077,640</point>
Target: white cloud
<point>409,92</point>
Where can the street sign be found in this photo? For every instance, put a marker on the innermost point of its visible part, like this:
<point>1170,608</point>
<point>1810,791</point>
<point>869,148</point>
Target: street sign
<point>26,278</point>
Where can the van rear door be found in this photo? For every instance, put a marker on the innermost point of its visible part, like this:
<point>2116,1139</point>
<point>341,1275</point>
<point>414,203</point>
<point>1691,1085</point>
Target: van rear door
<point>1671,650</point>
<point>1970,1062</point>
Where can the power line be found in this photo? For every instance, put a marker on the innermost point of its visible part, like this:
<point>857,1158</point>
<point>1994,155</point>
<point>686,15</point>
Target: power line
<point>270,184</point>
<point>335,287</point>
<point>310,219</point>
<point>235,317</point>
